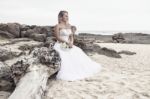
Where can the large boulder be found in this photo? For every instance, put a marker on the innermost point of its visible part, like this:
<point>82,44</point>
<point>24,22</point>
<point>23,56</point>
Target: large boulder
<point>48,56</point>
<point>5,34</point>
<point>38,37</point>
<point>118,38</point>
<point>28,33</point>
<point>12,28</point>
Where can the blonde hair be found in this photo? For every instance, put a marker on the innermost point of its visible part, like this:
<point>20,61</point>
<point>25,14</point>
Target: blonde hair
<point>60,15</point>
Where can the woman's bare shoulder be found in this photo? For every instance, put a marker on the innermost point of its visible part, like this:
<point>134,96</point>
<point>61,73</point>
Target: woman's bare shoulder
<point>57,26</point>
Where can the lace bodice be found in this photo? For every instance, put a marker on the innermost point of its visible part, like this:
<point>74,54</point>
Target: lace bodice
<point>64,33</point>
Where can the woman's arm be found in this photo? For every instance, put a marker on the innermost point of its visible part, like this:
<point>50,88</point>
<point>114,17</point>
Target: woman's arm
<point>73,29</point>
<point>71,38</point>
<point>56,34</point>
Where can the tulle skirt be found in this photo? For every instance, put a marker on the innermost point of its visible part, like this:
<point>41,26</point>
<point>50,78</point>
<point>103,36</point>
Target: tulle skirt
<point>75,64</point>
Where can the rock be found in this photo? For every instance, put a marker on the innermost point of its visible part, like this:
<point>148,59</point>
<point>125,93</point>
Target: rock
<point>24,27</point>
<point>118,38</point>
<point>18,70</point>
<point>48,30</point>
<point>5,34</point>
<point>48,56</point>
<point>109,52</point>
<point>12,28</point>
<point>27,33</point>
<point>88,46</point>
<point>45,30</point>
<point>4,94</point>
<point>5,54</point>
<point>50,41</point>
<point>23,34</point>
<point>30,47</point>
<point>15,40</point>
<point>6,82</point>
<point>80,42</point>
<point>6,85</point>
<point>3,27</point>
<point>38,37</point>
<point>126,52</point>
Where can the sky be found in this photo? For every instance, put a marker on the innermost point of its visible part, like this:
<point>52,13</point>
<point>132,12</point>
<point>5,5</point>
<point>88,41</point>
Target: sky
<point>86,15</point>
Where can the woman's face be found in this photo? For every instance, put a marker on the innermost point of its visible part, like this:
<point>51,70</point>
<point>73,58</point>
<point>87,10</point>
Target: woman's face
<point>65,17</point>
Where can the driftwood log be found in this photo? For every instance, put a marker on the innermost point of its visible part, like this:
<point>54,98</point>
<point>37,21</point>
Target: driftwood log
<point>31,73</point>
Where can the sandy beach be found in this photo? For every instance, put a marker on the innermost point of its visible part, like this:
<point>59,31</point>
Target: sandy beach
<point>124,78</point>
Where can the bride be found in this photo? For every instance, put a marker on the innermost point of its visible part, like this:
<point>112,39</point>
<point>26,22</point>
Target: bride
<point>75,64</point>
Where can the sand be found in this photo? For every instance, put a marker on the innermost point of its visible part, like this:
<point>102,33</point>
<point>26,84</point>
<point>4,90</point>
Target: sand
<point>125,78</point>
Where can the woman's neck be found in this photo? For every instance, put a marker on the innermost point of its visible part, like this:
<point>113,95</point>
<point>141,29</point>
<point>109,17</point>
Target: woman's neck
<point>64,22</point>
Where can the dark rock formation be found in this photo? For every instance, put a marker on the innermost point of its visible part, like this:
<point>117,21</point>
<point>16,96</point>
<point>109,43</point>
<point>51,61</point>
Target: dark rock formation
<point>126,52</point>
<point>15,30</point>
<point>88,46</point>
<point>5,34</point>
<point>18,70</point>
<point>6,54</point>
<point>50,41</point>
<point>47,57</point>
<point>12,28</point>
<point>118,38</point>
<point>6,82</point>
<point>38,37</point>
<point>109,52</point>
<point>4,95</point>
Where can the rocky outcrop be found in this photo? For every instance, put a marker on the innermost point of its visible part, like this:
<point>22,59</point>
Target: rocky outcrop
<point>89,46</point>
<point>38,37</point>
<point>126,52</point>
<point>32,31</point>
<point>4,95</point>
<point>6,54</point>
<point>118,38</point>
<point>18,70</point>
<point>6,82</point>
<point>16,30</point>
<point>12,28</point>
<point>6,34</point>
<point>109,52</point>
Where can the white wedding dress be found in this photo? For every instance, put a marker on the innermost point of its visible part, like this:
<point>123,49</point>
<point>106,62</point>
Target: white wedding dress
<point>75,64</point>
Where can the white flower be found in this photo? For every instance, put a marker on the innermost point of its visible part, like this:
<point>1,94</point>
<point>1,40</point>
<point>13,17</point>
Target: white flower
<point>64,46</point>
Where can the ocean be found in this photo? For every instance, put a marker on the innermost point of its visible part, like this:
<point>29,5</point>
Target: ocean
<point>111,32</point>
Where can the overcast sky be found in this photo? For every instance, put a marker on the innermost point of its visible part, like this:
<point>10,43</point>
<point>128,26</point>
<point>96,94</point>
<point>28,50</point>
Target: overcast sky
<point>121,15</point>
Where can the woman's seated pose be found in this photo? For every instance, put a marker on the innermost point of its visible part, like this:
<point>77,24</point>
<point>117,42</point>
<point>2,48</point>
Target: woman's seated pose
<point>75,64</point>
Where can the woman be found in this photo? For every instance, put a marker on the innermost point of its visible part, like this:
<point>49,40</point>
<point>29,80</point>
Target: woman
<point>75,64</point>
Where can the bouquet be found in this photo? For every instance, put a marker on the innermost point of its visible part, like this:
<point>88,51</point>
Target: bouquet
<point>64,46</point>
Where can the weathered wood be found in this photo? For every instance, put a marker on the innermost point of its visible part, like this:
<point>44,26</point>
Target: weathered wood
<point>43,63</point>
